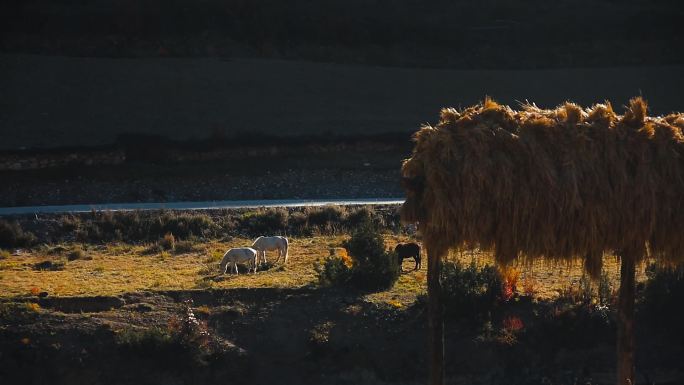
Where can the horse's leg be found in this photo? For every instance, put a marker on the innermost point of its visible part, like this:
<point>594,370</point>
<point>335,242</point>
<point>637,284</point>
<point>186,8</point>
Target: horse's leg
<point>417,264</point>
<point>237,272</point>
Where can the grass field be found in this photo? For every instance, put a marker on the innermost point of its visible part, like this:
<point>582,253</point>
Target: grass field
<point>123,306</point>
<point>114,269</point>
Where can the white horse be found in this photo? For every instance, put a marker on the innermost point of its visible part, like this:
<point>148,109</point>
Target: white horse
<point>263,244</point>
<point>239,255</point>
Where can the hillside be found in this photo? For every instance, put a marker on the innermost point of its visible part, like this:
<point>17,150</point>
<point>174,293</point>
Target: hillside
<point>68,101</point>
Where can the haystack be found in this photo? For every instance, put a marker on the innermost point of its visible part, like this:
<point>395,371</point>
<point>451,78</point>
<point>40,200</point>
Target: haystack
<point>563,184</point>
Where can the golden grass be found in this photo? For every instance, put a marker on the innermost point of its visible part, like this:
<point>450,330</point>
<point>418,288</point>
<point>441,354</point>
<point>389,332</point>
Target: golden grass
<point>564,184</point>
<point>117,268</point>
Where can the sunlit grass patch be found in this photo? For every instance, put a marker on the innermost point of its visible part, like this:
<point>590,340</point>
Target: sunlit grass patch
<point>117,268</point>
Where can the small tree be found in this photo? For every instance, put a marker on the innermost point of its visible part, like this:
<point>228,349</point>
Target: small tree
<point>373,267</point>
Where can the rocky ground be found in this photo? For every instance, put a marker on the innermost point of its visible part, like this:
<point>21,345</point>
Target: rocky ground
<point>339,174</point>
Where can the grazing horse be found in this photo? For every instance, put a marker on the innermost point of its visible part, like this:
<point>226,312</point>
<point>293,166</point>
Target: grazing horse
<point>263,244</point>
<point>239,255</point>
<point>408,250</point>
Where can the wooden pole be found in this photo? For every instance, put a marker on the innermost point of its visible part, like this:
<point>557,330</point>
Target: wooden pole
<point>435,316</point>
<point>625,334</point>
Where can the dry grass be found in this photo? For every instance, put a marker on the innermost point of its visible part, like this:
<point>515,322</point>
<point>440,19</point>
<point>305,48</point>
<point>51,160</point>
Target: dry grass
<point>120,268</point>
<point>564,184</point>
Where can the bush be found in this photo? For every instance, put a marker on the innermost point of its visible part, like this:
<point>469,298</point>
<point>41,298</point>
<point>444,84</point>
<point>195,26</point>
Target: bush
<point>358,216</point>
<point>298,224</point>
<point>470,290</point>
<point>69,222</point>
<point>168,242</point>
<point>663,296</point>
<point>76,253</point>
<point>185,340</point>
<point>12,235</point>
<point>152,340</point>
<point>183,247</point>
<point>184,225</point>
<point>135,226</point>
<point>270,221</point>
<point>333,271</point>
<point>4,254</point>
<point>372,268</point>
<point>50,265</point>
<point>154,248</point>
<point>327,219</point>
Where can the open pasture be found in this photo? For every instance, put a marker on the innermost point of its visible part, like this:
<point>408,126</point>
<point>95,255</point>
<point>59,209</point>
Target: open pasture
<point>118,268</point>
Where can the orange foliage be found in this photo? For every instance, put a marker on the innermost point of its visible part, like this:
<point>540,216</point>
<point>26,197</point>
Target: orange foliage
<point>509,277</point>
<point>513,323</point>
<point>341,253</point>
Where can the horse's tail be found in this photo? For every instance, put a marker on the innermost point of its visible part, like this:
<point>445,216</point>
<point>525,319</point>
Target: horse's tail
<point>287,247</point>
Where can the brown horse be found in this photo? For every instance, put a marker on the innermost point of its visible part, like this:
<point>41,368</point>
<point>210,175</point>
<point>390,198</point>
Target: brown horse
<point>408,250</point>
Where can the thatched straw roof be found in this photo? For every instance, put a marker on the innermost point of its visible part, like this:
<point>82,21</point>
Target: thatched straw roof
<point>567,183</point>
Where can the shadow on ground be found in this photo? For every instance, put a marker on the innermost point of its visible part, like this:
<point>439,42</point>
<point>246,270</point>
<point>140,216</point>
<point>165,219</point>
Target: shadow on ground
<point>313,336</point>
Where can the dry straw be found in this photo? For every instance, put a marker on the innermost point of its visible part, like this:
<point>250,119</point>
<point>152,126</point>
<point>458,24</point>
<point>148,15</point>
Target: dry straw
<point>562,184</point>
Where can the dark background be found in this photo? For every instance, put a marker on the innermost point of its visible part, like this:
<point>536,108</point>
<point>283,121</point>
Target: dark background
<point>84,72</point>
<point>484,34</point>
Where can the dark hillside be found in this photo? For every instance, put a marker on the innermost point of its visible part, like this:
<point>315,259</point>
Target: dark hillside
<point>456,34</point>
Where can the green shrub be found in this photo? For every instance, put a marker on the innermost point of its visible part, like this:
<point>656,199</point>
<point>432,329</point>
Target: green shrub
<point>135,226</point>
<point>270,221</point>
<point>333,272</point>
<point>12,235</point>
<point>373,267</point>
<point>470,290</point>
<point>185,225</point>
<point>4,254</point>
<point>327,219</point>
<point>368,266</point>
<point>361,215</point>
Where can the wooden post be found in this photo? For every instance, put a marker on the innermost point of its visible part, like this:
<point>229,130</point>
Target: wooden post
<point>435,316</point>
<point>625,334</point>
